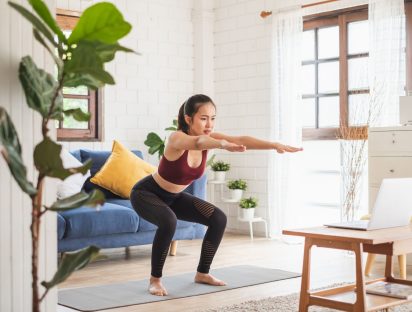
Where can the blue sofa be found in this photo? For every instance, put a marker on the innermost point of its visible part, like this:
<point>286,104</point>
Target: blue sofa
<point>116,224</point>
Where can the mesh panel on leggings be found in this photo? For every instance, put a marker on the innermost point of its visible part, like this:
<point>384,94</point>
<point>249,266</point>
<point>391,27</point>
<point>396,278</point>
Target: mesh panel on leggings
<point>205,208</point>
<point>208,252</point>
<point>160,263</point>
<point>150,198</point>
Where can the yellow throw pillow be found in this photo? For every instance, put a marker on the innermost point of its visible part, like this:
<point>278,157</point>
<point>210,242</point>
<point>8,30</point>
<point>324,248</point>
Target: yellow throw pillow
<point>121,171</point>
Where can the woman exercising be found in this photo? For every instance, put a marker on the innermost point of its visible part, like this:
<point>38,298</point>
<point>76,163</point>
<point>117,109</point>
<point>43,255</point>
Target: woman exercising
<point>159,198</point>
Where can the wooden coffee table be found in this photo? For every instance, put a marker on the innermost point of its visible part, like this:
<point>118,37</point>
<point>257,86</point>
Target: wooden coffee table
<point>389,242</point>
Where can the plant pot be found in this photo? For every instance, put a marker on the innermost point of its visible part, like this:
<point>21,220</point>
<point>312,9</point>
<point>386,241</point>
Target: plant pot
<point>236,194</point>
<point>220,176</point>
<point>247,213</point>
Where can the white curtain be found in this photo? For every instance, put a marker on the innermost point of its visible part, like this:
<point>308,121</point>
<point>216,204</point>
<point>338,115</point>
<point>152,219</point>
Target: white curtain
<point>285,124</point>
<point>387,59</point>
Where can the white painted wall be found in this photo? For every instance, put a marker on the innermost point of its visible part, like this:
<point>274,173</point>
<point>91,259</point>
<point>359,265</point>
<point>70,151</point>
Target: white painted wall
<point>15,206</point>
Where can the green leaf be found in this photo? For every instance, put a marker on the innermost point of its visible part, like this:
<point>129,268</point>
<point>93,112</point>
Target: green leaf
<point>37,23</point>
<point>39,88</point>
<point>39,38</point>
<point>92,199</point>
<point>12,153</point>
<point>175,122</point>
<point>72,262</point>
<point>153,140</point>
<point>85,60</point>
<point>77,114</point>
<point>47,160</point>
<point>171,129</point>
<point>154,149</point>
<point>107,52</point>
<point>102,22</point>
<point>42,10</point>
<point>73,80</point>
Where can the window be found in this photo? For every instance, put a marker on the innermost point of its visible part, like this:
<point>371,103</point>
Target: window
<point>81,97</point>
<point>335,79</point>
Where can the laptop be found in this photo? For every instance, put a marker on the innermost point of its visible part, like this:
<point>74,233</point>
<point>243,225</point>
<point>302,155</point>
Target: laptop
<point>393,207</point>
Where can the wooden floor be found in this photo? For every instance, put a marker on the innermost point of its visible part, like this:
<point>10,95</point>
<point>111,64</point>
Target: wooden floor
<point>328,267</point>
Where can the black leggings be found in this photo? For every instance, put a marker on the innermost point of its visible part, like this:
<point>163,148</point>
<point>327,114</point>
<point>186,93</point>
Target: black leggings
<point>163,208</point>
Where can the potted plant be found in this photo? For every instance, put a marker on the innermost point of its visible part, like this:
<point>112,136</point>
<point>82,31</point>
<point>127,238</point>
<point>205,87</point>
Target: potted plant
<point>236,188</point>
<point>248,206</point>
<point>79,61</point>
<point>219,168</point>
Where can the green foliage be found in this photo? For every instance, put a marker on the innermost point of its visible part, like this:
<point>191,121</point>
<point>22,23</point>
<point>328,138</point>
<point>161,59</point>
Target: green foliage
<point>70,263</point>
<point>100,22</point>
<point>220,166</point>
<point>80,62</point>
<point>40,89</point>
<point>247,203</point>
<point>237,184</point>
<point>47,160</point>
<point>155,142</point>
<point>92,199</point>
<point>12,153</point>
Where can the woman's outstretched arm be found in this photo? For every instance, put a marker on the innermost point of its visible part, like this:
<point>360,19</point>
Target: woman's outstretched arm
<point>254,143</point>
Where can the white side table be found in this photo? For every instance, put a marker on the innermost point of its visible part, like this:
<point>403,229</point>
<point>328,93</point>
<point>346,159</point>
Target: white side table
<point>251,221</point>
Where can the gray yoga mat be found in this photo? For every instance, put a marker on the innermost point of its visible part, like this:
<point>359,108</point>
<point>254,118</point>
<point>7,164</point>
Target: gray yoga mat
<point>178,286</point>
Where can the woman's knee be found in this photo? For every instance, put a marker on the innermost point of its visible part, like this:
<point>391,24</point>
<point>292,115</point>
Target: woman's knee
<point>167,223</point>
<point>218,218</point>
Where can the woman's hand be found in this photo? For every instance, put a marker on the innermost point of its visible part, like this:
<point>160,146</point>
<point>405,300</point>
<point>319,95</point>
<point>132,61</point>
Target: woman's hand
<point>280,148</point>
<point>232,147</point>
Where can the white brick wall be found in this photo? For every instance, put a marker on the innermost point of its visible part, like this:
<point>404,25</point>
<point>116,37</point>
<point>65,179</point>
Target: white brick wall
<point>149,88</point>
<point>242,94</point>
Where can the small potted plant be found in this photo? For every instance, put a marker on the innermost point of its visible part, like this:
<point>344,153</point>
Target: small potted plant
<point>220,167</point>
<point>248,206</point>
<point>236,188</point>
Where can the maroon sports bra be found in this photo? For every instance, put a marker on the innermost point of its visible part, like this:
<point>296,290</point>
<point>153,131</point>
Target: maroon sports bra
<point>179,172</point>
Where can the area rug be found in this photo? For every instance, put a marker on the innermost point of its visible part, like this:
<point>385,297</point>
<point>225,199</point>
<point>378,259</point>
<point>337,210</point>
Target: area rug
<point>288,303</point>
<point>178,286</point>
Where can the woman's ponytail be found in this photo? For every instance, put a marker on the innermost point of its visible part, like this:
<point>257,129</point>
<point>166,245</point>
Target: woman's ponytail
<point>181,122</point>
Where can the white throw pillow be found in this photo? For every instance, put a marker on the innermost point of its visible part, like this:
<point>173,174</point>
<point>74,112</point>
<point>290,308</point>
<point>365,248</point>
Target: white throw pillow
<point>72,184</point>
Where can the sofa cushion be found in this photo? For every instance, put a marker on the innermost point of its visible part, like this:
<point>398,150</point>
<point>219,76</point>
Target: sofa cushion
<point>61,226</point>
<point>98,159</point>
<point>122,171</point>
<point>110,219</point>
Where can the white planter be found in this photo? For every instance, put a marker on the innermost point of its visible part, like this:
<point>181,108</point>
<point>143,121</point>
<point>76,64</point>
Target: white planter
<point>236,194</point>
<point>247,213</point>
<point>220,176</point>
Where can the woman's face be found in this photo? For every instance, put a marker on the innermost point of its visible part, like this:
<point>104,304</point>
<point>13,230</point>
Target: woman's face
<point>203,122</point>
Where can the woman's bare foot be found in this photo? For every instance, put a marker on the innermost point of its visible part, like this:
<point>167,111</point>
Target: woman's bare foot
<point>156,287</point>
<point>203,278</point>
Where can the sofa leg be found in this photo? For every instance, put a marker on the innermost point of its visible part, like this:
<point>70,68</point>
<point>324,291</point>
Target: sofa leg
<point>127,252</point>
<point>173,248</point>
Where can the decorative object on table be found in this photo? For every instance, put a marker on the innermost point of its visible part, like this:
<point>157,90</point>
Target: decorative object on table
<point>79,61</point>
<point>353,137</point>
<point>236,188</point>
<point>219,168</point>
<point>248,206</point>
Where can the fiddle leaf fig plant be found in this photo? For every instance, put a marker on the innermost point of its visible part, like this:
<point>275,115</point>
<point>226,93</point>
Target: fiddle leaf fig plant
<point>155,143</point>
<point>79,60</point>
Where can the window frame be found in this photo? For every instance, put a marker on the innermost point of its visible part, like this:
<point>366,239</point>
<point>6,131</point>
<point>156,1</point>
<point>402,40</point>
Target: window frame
<point>339,18</point>
<point>66,20</point>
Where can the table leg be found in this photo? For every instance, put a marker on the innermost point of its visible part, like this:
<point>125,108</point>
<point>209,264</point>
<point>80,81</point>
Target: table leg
<point>389,268</point>
<point>305,285</point>
<point>360,304</point>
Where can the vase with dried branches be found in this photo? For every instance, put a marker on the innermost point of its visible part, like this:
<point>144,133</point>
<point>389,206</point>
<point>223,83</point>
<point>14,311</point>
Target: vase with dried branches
<point>353,136</point>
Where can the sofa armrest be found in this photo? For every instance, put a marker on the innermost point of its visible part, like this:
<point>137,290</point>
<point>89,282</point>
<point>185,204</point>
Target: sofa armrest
<point>198,187</point>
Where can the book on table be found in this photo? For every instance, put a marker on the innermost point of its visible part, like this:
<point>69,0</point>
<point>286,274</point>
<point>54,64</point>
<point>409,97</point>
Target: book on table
<point>394,290</point>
